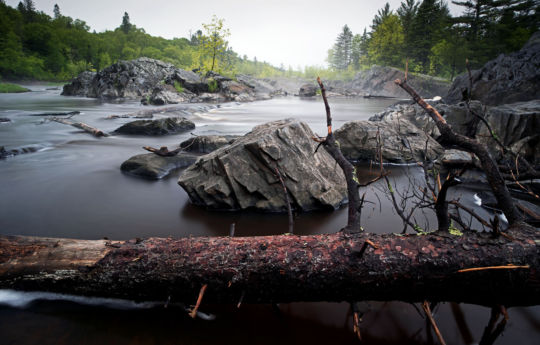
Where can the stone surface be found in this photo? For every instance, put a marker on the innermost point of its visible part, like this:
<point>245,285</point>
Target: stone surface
<point>457,157</point>
<point>402,141</point>
<point>242,175</point>
<point>509,78</point>
<point>80,85</point>
<point>379,82</point>
<point>170,125</point>
<point>308,90</point>
<point>167,94</point>
<point>155,167</point>
<point>207,143</point>
<point>4,119</point>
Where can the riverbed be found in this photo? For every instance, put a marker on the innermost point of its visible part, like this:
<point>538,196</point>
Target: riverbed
<point>72,187</point>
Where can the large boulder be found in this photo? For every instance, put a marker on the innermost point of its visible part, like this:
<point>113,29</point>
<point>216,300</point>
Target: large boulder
<point>400,141</point>
<point>507,79</point>
<point>379,81</point>
<point>155,167</point>
<point>308,90</point>
<point>242,175</point>
<point>170,125</point>
<point>207,143</point>
<point>124,79</point>
<point>168,94</point>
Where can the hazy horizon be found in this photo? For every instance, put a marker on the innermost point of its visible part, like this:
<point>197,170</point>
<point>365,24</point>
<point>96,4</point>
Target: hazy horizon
<point>289,32</point>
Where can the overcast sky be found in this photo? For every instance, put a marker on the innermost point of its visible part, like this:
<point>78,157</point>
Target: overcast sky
<point>292,32</point>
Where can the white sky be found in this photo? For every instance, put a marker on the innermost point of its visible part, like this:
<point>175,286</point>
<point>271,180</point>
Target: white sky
<point>292,32</point>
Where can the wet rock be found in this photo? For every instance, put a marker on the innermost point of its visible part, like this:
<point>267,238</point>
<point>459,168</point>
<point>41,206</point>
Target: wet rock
<point>509,78</point>
<point>261,87</point>
<point>14,152</point>
<point>155,167</point>
<point>242,175</point>
<point>167,94</point>
<point>455,157</point>
<point>80,85</point>
<point>207,143</point>
<point>3,120</point>
<point>170,125</point>
<point>402,142</point>
<point>308,90</point>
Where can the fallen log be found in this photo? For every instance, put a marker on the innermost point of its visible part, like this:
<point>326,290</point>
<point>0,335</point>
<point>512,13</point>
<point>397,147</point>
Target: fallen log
<point>89,129</point>
<point>474,268</point>
<point>163,151</point>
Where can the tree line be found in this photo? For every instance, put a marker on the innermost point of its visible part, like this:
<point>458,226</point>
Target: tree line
<point>34,45</point>
<point>434,42</point>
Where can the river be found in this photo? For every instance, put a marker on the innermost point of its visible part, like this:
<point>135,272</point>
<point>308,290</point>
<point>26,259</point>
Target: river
<point>73,187</point>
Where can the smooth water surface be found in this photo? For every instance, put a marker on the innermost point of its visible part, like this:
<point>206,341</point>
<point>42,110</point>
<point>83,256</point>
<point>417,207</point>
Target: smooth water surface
<point>73,187</point>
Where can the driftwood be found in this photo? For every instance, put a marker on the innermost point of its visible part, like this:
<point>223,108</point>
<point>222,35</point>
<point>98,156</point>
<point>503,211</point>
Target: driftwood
<point>69,113</point>
<point>163,151</point>
<point>478,268</point>
<point>89,129</point>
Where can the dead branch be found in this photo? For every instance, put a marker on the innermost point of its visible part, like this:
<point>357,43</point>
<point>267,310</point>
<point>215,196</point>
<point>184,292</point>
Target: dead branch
<point>163,151</point>
<point>89,129</point>
<point>441,205</point>
<point>427,310</point>
<point>287,201</point>
<point>493,175</point>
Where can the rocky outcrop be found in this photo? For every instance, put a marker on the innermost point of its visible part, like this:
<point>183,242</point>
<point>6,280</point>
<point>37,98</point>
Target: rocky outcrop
<point>207,143</point>
<point>401,141</point>
<point>509,78</point>
<point>80,85</point>
<point>170,125</point>
<point>308,90</point>
<point>379,82</point>
<point>242,175</point>
<point>124,79</point>
<point>167,94</point>
<point>155,167</point>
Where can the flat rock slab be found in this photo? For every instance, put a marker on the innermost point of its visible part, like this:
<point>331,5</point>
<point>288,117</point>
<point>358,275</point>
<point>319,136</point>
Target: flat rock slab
<point>242,175</point>
<point>170,125</point>
<point>155,167</point>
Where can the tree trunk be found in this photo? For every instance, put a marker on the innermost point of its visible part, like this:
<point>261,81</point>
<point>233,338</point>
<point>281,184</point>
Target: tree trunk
<point>332,267</point>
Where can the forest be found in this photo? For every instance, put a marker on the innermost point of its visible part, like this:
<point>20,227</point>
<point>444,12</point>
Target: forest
<point>432,40</point>
<point>34,45</point>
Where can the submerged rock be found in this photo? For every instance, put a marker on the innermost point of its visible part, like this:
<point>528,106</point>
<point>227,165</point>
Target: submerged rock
<point>242,175</point>
<point>401,141</point>
<point>155,167</point>
<point>170,125</point>
<point>509,78</point>
<point>4,119</point>
<point>207,143</point>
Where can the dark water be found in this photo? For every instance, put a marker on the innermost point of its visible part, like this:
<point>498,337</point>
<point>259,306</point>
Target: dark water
<point>73,187</point>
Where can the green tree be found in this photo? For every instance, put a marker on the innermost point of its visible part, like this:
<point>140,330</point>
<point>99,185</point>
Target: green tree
<point>56,12</point>
<point>342,50</point>
<point>386,43</point>
<point>407,12</point>
<point>126,24</point>
<point>213,46</point>
<point>381,15</point>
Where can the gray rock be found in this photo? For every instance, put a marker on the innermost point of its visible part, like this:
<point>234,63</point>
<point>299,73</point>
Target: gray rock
<point>155,167</point>
<point>308,90</point>
<point>4,119</point>
<point>207,143</point>
<point>80,85</point>
<point>167,94</point>
<point>507,79</point>
<point>259,86</point>
<point>18,151</point>
<point>170,125</point>
<point>457,157</point>
<point>242,175</point>
<point>235,91</point>
<point>379,81</point>
<point>402,142</point>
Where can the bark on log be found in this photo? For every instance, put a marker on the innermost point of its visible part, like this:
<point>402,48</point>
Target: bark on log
<point>271,269</point>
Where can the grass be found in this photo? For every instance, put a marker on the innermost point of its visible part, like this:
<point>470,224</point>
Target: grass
<point>212,85</point>
<point>12,88</point>
<point>178,87</point>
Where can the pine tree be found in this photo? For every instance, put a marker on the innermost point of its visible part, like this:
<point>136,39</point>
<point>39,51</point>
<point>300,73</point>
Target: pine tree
<point>343,49</point>
<point>427,29</point>
<point>381,15</point>
<point>56,12</point>
<point>407,12</point>
<point>126,25</point>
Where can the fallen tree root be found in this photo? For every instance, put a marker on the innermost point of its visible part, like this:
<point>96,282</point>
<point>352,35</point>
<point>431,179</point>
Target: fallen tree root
<point>272,269</point>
